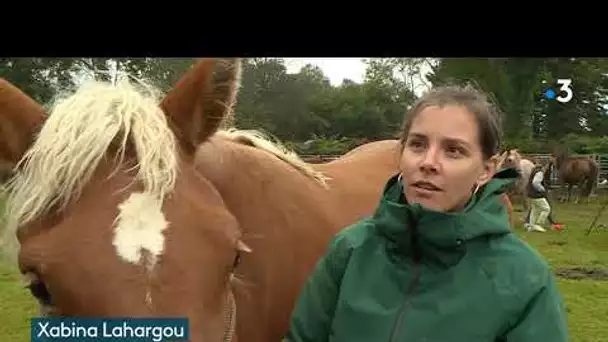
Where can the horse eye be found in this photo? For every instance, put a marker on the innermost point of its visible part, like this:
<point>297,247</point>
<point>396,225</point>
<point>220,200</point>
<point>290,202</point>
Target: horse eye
<point>39,291</point>
<point>241,247</point>
<point>237,260</point>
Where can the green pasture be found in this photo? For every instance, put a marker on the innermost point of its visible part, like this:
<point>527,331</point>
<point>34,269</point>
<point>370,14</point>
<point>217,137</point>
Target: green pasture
<point>586,298</point>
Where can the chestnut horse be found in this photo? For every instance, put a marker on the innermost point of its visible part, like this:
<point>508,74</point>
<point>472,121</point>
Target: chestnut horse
<point>580,171</point>
<point>123,203</point>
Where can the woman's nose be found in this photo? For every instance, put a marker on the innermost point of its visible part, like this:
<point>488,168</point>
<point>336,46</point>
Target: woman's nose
<point>430,160</point>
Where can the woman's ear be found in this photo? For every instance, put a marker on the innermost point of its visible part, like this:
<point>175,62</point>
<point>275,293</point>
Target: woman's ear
<point>489,169</point>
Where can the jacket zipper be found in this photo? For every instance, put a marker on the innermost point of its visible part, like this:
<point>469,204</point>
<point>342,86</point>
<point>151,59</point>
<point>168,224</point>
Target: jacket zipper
<point>410,289</point>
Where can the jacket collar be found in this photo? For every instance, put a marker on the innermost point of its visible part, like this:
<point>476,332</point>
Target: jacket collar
<point>442,237</point>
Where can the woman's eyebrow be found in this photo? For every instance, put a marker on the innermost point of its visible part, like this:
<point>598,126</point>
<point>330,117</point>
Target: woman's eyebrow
<point>449,140</point>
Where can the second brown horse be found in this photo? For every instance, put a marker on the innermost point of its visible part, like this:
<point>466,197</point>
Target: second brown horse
<point>581,171</point>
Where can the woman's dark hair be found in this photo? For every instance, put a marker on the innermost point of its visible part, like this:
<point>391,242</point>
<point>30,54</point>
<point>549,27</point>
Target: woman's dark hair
<point>475,101</point>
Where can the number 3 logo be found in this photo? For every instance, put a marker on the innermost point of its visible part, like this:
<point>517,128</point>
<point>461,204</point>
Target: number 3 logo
<point>565,82</point>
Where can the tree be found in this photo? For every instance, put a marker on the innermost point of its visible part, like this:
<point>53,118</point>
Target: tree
<point>40,78</point>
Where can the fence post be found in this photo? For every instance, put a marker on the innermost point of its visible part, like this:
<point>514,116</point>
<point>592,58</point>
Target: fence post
<point>599,169</point>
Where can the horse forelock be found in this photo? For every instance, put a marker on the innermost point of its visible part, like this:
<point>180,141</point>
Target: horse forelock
<point>258,140</point>
<point>514,154</point>
<point>78,133</point>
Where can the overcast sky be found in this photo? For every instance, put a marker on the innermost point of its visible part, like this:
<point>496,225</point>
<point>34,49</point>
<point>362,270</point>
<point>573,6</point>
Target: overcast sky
<point>337,69</point>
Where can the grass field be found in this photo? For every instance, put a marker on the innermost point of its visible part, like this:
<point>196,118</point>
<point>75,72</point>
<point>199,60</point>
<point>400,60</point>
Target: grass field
<point>586,299</point>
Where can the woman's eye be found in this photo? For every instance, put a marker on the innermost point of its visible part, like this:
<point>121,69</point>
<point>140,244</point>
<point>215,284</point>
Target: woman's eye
<point>455,151</point>
<point>416,144</point>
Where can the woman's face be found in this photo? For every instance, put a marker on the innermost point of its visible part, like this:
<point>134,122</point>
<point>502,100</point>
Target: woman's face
<point>442,161</point>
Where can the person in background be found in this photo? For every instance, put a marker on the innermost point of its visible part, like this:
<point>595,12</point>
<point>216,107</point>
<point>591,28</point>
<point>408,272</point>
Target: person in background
<point>437,261</point>
<point>555,225</point>
<point>538,195</point>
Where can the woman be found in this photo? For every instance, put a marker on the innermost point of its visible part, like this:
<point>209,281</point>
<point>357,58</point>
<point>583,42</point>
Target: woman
<point>437,261</point>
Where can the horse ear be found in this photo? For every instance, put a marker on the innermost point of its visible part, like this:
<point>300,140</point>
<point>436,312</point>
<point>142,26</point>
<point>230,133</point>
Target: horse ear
<point>202,99</point>
<point>20,118</point>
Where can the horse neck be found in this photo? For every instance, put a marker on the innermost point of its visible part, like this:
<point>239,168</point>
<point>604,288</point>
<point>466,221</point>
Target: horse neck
<point>255,186</point>
<point>559,159</point>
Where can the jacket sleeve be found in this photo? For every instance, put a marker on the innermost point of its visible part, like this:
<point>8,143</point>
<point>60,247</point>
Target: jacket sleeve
<point>537,182</point>
<point>314,310</point>
<point>544,318</point>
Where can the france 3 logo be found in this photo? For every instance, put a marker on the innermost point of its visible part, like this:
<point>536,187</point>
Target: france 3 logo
<point>565,91</point>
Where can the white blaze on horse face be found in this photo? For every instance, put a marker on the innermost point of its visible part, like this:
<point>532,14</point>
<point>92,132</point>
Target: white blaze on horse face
<point>139,227</point>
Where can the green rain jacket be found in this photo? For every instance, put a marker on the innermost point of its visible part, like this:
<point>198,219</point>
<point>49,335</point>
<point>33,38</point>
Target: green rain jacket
<point>409,274</point>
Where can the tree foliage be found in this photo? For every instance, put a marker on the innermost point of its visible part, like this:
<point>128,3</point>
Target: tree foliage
<point>307,111</point>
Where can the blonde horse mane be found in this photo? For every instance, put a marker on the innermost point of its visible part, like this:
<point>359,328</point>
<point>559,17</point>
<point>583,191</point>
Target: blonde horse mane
<point>260,141</point>
<point>77,135</point>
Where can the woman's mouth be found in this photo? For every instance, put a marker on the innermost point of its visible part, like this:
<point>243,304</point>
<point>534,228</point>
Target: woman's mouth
<point>426,186</point>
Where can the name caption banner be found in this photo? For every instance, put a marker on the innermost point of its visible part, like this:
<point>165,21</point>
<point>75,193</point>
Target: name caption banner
<point>55,329</point>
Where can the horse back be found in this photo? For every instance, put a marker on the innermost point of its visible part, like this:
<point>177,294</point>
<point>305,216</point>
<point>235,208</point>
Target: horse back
<point>357,179</point>
<point>577,168</point>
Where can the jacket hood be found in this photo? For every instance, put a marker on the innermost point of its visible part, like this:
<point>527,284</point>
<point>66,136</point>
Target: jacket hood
<point>442,236</point>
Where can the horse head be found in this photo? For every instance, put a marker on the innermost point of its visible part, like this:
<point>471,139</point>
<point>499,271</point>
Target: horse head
<point>559,153</point>
<point>107,215</point>
<point>512,159</point>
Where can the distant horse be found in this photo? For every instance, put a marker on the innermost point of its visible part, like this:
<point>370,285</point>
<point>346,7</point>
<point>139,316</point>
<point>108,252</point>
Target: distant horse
<point>126,204</point>
<point>580,171</point>
<point>512,159</point>
<point>506,201</point>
